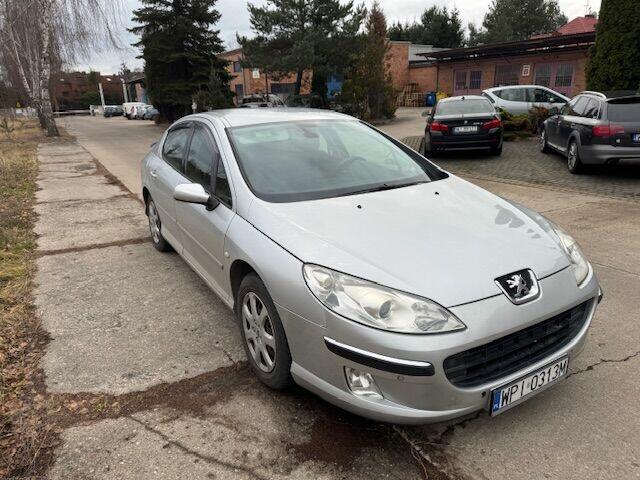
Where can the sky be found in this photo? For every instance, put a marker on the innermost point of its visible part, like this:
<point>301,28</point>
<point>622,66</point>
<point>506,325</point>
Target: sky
<point>235,18</point>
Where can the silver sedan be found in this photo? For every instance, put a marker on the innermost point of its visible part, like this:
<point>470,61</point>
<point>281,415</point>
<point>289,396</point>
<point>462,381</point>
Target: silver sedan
<point>363,272</point>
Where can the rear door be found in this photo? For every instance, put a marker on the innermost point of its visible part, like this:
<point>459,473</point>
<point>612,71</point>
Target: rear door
<point>513,100</point>
<point>203,231</point>
<point>571,119</point>
<point>165,175</point>
<point>623,115</point>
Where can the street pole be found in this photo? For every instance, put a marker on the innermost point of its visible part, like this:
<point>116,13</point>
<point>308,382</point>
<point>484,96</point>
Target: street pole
<point>101,95</point>
<point>125,94</point>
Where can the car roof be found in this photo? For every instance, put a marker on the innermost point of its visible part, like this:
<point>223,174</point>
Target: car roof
<point>238,117</point>
<point>609,95</point>
<point>463,97</point>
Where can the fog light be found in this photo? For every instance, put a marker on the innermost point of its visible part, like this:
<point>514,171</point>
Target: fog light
<point>362,383</point>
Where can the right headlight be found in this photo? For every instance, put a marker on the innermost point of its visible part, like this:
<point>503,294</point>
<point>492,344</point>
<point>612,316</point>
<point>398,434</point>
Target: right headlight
<point>377,306</point>
<point>579,263</point>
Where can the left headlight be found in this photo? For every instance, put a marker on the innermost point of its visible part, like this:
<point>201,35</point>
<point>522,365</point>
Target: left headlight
<point>377,306</point>
<point>579,263</point>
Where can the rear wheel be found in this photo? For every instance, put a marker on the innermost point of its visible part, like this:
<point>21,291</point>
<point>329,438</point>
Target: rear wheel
<point>574,163</point>
<point>155,228</point>
<point>264,340</point>
<point>542,141</point>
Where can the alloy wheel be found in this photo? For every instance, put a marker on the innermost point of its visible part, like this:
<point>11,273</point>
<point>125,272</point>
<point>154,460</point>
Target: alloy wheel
<point>259,332</point>
<point>154,222</point>
<point>572,157</point>
<point>543,141</point>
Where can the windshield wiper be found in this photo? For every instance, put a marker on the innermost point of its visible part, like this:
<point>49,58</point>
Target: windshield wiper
<point>385,186</point>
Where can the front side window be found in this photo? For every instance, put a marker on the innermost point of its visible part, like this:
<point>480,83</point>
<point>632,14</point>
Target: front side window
<point>201,158</point>
<point>222,190</point>
<point>513,94</point>
<point>175,146</point>
<point>307,160</point>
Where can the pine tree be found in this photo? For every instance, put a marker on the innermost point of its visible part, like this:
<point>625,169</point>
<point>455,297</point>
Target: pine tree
<point>292,36</point>
<point>180,48</point>
<point>437,27</point>
<point>512,20</point>
<point>614,60</point>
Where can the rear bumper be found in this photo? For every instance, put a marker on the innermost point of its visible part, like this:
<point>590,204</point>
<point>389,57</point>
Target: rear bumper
<point>602,154</point>
<point>465,142</point>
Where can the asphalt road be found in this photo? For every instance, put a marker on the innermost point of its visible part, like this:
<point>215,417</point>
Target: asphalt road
<point>137,333</point>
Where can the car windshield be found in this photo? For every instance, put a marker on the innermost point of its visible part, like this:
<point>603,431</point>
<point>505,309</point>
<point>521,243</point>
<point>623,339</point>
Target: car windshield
<point>295,161</point>
<point>466,106</point>
<point>624,110</point>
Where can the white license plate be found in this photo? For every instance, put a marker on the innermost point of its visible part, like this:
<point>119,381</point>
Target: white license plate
<point>466,129</point>
<point>505,397</point>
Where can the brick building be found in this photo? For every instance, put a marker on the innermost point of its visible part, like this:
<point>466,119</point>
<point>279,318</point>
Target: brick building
<point>70,89</point>
<point>556,60</point>
<point>246,81</point>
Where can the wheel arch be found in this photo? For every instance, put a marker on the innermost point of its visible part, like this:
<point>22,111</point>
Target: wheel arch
<point>239,269</point>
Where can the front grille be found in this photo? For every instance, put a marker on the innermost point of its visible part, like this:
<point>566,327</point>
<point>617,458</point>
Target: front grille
<point>516,351</point>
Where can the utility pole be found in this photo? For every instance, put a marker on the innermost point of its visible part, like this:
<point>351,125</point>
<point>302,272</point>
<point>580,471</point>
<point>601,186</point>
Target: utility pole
<point>125,93</point>
<point>101,94</point>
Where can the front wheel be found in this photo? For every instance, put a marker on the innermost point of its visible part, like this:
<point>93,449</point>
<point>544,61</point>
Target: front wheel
<point>574,163</point>
<point>264,340</point>
<point>497,151</point>
<point>543,145</point>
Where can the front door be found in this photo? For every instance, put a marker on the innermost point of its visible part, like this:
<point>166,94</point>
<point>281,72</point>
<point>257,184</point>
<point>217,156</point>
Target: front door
<point>467,82</point>
<point>203,231</point>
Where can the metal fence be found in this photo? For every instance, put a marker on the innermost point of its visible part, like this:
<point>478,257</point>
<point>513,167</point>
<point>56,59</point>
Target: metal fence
<point>18,112</point>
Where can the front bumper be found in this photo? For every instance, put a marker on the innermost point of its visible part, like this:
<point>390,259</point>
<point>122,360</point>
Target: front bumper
<point>429,397</point>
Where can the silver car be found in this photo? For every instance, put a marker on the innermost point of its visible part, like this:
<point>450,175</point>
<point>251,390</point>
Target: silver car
<point>519,99</point>
<point>361,271</point>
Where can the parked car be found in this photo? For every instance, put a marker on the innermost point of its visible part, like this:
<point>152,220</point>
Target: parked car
<point>151,113</point>
<point>139,111</point>
<point>312,100</point>
<point>112,111</point>
<point>594,128</point>
<point>128,109</point>
<point>261,100</point>
<point>362,271</point>
<point>519,99</point>
<point>462,123</point>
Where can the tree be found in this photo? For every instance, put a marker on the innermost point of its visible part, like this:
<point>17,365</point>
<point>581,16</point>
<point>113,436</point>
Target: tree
<point>437,27</point>
<point>614,59</point>
<point>296,35</point>
<point>180,49</point>
<point>368,89</point>
<point>512,20</point>
<point>36,36</point>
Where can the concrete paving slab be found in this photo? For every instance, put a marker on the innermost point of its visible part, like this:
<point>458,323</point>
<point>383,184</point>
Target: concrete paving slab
<point>93,187</point>
<point>66,225</point>
<point>252,434</point>
<point>126,318</point>
<point>66,169</point>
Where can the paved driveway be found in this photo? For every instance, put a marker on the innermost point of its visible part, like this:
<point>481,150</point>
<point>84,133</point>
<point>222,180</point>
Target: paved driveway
<point>147,361</point>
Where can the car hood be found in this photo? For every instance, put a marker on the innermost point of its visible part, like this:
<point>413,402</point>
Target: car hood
<point>445,240</point>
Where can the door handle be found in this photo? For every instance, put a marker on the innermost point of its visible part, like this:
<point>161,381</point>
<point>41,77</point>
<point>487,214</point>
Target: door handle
<point>153,173</point>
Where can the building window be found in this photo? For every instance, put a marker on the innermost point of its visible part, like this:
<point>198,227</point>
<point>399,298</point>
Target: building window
<point>543,75</point>
<point>564,75</point>
<point>237,67</point>
<point>475,80</point>
<point>461,80</point>
<point>506,75</point>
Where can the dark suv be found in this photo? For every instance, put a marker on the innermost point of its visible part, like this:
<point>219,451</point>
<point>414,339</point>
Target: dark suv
<point>594,128</point>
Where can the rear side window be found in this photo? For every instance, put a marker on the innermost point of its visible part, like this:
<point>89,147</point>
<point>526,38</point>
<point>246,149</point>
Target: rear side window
<point>627,110</point>
<point>202,155</point>
<point>593,109</point>
<point>467,106</point>
<point>512,94</point>
<point>576,107</point>
<point>175,146</point>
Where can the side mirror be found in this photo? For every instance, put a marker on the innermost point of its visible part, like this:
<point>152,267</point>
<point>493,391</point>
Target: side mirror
<point>554,111</point>
<point>195,193</point>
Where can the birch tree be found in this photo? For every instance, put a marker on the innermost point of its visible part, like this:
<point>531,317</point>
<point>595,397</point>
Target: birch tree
<point>36,35</point>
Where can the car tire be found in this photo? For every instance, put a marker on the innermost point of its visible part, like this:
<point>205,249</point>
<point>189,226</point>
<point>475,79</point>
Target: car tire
<point>542,142</point>
<point>155,227</point>
<point>497,151</point>
<point>263,336</point>
<point>574,163</point>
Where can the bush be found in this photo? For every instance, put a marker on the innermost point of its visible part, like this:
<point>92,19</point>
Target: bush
<point>537,116</point>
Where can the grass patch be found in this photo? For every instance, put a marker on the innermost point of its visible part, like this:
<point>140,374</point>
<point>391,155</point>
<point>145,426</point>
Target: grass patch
<point>24,434</point>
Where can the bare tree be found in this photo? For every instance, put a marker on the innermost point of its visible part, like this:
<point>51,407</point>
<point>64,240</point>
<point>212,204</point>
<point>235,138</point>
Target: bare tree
<point>36,35</point>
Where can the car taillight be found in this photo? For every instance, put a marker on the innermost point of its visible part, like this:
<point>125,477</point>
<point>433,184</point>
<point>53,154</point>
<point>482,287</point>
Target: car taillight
<point>605,131</point>
<point>495,123</point>
<point>438,127</point>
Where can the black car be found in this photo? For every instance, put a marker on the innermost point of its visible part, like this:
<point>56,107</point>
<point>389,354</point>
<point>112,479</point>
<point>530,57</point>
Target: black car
<point>112,111</point>
<point>463,123</point>
<point>594,128</point>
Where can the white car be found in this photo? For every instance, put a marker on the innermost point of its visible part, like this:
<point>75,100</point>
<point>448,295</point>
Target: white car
<point>129,109</point>
<point>518,99</point>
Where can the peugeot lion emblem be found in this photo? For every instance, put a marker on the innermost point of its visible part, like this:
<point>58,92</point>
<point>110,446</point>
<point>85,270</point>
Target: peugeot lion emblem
<point>520,287</point>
